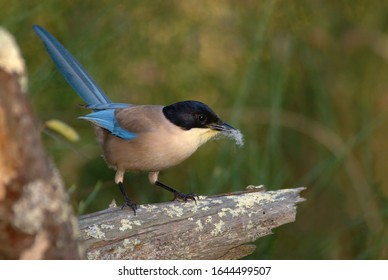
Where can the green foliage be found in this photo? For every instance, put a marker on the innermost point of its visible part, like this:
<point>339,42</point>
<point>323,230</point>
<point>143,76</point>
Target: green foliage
<point>305,81</point>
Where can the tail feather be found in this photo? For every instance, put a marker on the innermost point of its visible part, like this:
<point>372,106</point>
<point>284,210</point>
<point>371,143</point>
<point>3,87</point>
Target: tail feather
<point>73,72</point>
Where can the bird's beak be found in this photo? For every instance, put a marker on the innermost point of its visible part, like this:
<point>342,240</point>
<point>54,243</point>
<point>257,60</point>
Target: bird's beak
<point>228,131</point>
<point>222,127</point>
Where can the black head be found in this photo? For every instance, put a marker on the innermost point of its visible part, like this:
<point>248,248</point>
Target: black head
<point>194,114</point>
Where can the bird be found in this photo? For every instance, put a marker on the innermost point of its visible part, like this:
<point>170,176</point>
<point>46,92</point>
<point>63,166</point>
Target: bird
<point>148,138</point>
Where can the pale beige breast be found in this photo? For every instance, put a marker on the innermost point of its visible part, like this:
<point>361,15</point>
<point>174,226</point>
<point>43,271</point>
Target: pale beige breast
<point>159,145</point>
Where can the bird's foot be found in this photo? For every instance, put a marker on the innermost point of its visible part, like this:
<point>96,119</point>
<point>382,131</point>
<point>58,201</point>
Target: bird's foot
<point>177,195</point>
<point>185,197</point>
<point>130,204</point>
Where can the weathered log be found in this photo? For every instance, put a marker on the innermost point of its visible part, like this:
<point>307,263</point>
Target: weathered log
<point>36,221</point>
<point>216,227</point>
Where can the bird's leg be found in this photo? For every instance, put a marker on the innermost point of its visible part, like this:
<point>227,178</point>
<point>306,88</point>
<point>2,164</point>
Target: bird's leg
<point>153,178</point>
<point>127,202</point>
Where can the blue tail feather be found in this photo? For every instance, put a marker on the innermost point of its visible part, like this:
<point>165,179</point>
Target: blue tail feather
<point>105,106</point>
<point>84,85</point>
<point>73,72</point>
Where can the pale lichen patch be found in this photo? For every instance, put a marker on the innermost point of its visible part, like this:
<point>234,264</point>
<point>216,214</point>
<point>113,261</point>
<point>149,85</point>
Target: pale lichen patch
<point>149,207</point>
<point>127,242</point>
<point>106,226</point>
<point>249,225</point>
<point>199,226</point>
<point>221,214</point>
<point>194,210</point>
<point>238,211</point>
<point>203,201</point>
<point>245,203</point>
<point>249,199</point>
<point>190,205</point>
<point>93,255</point>
<point>95,232</point>
<point>208,220</point>
<point>131,244</point>
<point>234,212</point>
<point>264,197</point>
<point>173,211</point>
<point>127,224</point>
<point>218,227</point>
<point>119,252</point>
<point>253,213</point>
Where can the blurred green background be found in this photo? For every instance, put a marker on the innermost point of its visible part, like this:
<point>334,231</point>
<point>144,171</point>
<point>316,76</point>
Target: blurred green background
<point>305,81</point>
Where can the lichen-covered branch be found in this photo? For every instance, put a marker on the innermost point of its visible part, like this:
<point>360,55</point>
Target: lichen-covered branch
<point>217,227</point>
<point>36,221</point>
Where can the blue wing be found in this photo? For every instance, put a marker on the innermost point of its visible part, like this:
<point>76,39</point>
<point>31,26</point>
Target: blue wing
<point>73,72</point>
<point>107,119</point>
<point>84,85</point>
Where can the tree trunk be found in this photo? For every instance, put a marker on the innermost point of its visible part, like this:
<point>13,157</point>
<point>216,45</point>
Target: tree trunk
<point>36,221</point>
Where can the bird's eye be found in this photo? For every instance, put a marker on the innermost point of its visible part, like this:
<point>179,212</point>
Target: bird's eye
<point>202,118</point>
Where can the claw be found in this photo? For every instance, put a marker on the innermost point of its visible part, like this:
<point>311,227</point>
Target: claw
<point>185,197</point>
<point>177,195</point>
<point>130,204</point>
